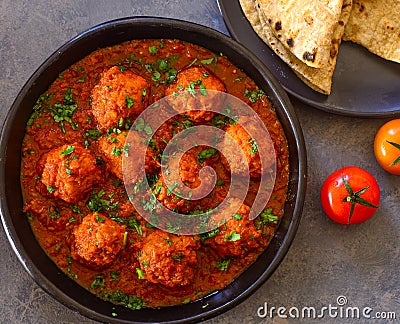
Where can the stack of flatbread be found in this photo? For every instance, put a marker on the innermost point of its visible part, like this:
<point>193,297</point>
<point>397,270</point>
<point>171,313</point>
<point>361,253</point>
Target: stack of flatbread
<point>306,35</point>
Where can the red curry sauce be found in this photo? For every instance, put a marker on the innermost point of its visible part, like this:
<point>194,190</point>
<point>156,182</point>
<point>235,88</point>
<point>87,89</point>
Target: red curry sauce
<point>63,117</point>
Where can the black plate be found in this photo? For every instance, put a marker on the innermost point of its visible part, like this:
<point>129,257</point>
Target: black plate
<point>364,84</point>
<point>17,227</point>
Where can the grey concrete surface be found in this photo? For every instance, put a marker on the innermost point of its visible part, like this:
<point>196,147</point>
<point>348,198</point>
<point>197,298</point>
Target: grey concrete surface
<point>326,260</point>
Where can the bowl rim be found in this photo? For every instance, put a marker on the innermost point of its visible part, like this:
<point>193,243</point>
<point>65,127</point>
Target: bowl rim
<point>287,113</point>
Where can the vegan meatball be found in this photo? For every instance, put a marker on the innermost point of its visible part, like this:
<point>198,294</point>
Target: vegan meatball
<point>187,168</point>
<point>119,94</point>
<point>236,236</point>
<point>189,94</point>
<point>117,145</point>
<point>169,259</point>
<point>69,172</point>
<point>97,241</point>
<point>249,146</point>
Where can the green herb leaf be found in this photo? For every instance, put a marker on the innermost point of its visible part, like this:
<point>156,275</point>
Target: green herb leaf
<point>63,112</point>
<point>129,101</point>
<point>222,264</point>
<point>134,223</point>
<point>140,273</point>
<point>210,234</point>
<point>114,275</point>
<point>98,282</point>
<point>178,257</point>
<point>120,298</point>
<point>232,237</point>
<point>266,218</point>
<point>166,239</point>
<point>93,134</point>
<point>153,50</point>
<point>205,154</point>
<point>51,189</point>
<point>207,61</point>
<point>116,151</point>
<point>70,149</point>
<point>253,95</point>
<point>99,219</point>
<point>97,203</point>
<point>253,146</point>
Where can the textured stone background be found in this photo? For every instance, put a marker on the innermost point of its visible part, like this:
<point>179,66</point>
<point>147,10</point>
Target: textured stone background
<point>326,260</point>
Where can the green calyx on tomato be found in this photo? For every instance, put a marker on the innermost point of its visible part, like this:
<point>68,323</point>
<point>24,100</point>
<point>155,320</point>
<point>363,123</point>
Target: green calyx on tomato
<point>354,198</point>
<point>396,145</point>
<point>350,195</point>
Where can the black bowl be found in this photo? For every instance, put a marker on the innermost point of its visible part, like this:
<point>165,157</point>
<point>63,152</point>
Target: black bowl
<point>17,227</point>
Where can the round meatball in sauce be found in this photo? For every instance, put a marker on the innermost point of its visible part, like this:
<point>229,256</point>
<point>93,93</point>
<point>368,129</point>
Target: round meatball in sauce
<point>198,184</point>
<point>189,94</point>
<point>117,145</point>
<point>97,241</point>
<point>69,172</point>
<point>237,137</point>
<point>119,94</point>
<point>237,236</point>
<point>169,259</point>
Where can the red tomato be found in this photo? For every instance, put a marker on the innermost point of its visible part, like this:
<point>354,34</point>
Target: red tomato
<point>387,146</point>
<point>350,195</point>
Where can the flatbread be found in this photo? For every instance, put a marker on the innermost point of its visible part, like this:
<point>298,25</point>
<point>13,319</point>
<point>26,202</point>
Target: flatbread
<point>305,28</point>
<point>375,24</point>
<point>319,79</point>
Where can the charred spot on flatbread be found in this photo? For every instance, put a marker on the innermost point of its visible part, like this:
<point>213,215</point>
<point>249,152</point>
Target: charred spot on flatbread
<point>290,42</point>
<point>278,25</point>
<point>307,56</point>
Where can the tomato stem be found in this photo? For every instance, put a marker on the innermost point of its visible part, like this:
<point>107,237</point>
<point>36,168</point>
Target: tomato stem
<point>354,198</point>
<point>396,145</point>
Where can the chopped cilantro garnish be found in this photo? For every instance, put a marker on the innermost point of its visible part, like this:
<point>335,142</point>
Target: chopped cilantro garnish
<point>93,134</point>
<point>232,237</point>
<point>70,149</point>
<point>207,61</point>
<point>253,146</point>
<point>153,50</point>
<point>116,151</point>
<point>140,273</point>
<point>205,154</point>
<point>266,218</point>
<point>210,234</point>
<point>129,101</point>
<point>125,149</point>
<point>141,126</point>
<point>100,219</point>
<point>63,112</point>
<point>38,107</point>
<point>114,275</point>
<point>120,298</point>
<point>203,90</point>
<point>166,239</point>
<point>178,257</point>
<point>98,282</point>
<point>134,223</point>
<point>97,203</point>
<point>222,264</point>
<point>253,95</point>
<point>51,189</point>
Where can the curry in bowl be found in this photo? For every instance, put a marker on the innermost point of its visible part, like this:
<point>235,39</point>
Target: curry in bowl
<point>75,190</point>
